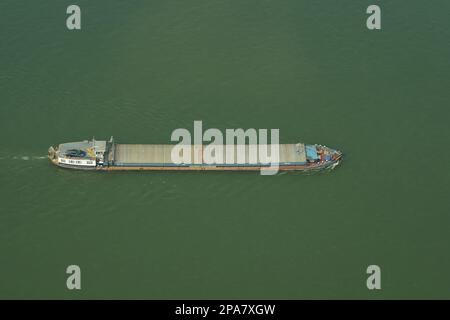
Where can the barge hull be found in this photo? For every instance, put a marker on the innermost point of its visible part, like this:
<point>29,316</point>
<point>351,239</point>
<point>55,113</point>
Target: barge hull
<point>109,156</point>
<point>216,168</point>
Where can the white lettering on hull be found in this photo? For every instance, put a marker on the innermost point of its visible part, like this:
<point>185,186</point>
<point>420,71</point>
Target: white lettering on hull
<point>77,162</point>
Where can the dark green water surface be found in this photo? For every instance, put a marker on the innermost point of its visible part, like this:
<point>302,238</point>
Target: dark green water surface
<point>140,69</point>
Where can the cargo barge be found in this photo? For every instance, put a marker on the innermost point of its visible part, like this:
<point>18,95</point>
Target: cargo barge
<point>111,156</point>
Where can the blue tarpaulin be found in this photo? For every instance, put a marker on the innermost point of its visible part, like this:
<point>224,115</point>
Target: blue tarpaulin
<point>311,152</point>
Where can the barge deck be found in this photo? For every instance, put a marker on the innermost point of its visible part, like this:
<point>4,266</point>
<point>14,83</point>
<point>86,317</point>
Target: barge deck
<point>111,156</point>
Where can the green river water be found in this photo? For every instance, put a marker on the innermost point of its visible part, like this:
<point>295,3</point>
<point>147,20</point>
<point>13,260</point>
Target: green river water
<point>138,70</point>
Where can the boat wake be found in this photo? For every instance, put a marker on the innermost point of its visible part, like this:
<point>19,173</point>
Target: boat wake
<point>24,158</point>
